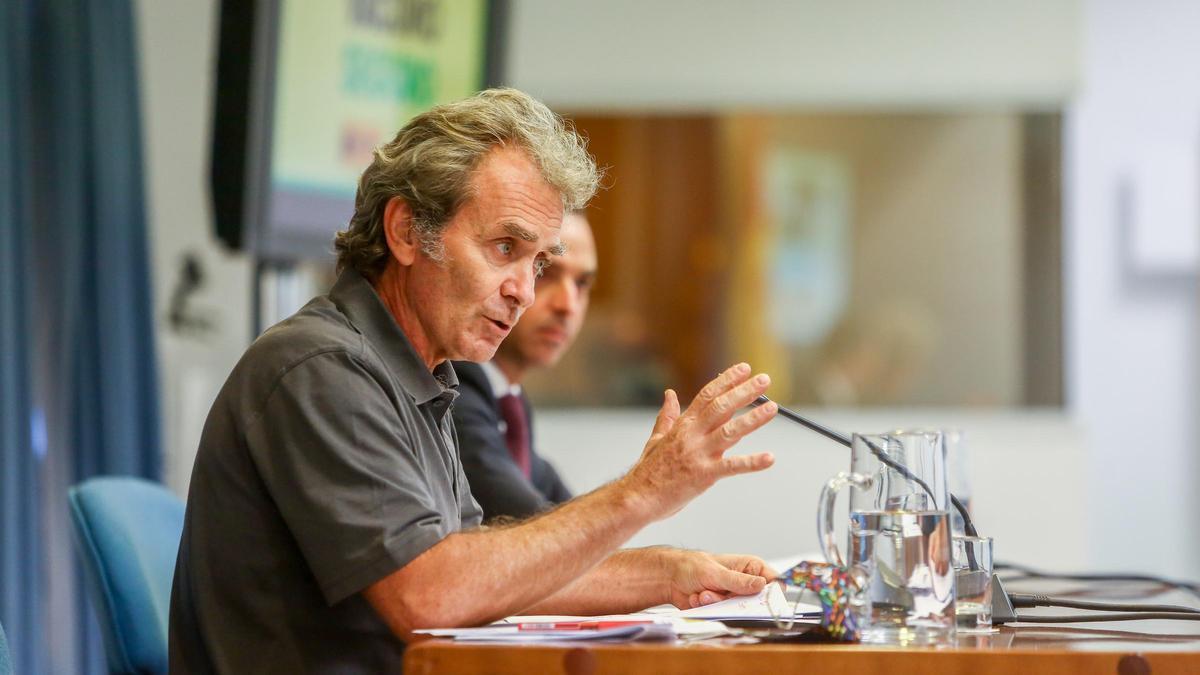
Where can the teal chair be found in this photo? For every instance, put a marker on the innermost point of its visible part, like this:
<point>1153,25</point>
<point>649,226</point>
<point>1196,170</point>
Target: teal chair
<point>5,663</point>
<point>127,531</point>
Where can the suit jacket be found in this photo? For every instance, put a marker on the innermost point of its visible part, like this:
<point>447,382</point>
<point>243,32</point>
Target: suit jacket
<point>497,483</point>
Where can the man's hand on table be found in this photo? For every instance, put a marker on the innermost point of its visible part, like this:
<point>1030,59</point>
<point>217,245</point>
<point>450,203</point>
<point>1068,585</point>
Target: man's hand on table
<point>697,578</point>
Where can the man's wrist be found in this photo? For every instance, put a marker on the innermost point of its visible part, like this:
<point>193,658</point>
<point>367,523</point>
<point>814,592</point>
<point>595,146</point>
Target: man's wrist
<point>638,497</point>
<point>668,560</point>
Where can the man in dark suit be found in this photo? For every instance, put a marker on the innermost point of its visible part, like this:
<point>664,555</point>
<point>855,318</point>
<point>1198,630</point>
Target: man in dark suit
<point>492,414</point>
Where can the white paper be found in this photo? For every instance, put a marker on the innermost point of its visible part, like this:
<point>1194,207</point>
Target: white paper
<point>748,607</point>
<point>562,618</point>
<point>660,627</point>
<point>510,633</point>
<point>665,622</point>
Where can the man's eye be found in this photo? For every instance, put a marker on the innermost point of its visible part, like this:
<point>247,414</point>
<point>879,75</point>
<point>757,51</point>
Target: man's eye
<point>504,247</point>
<point>540,265</point>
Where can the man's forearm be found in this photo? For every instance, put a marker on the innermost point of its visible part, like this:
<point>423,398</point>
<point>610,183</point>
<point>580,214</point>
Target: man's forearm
<point>629,580</point>
<point>490,573</point>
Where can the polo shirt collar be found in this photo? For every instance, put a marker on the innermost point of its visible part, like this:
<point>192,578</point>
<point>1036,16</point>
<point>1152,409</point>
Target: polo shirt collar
<point>357,299</point>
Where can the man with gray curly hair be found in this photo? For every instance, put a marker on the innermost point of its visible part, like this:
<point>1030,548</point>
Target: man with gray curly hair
<point>328,515</point>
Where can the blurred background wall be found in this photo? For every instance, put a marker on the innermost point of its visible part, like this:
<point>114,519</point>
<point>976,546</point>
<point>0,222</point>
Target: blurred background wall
<point>178,47</point>
<point>677,55</point>
<point>982,215</point>
<point>1132,186</point>
<point>983,149</point>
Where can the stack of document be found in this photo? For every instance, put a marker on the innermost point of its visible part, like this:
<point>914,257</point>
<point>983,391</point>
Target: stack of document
<point>622,627</point>
<point>770,603</point>
<point>658,623</point>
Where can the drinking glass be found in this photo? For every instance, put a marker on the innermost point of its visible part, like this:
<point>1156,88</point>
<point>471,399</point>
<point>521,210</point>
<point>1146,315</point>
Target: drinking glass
<point>958,459</point>
<point>899,539</point>
<point>972,558</point>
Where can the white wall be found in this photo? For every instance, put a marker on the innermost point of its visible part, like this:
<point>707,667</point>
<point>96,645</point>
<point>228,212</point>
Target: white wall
<point>1026,489</point>
<point>177,42</point>
<point>1131,335</point>
<point>680,54</point>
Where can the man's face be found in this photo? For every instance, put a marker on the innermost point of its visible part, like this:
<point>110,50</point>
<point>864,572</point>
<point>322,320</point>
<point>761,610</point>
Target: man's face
<point>550,325</point>
<point>494,246</point>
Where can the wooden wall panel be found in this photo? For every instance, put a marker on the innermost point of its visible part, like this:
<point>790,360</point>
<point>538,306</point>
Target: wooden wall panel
<point>658,226</point>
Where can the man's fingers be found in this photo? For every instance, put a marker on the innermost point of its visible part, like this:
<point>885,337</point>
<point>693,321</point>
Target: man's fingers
<point>705,598</point>
<point>732,376</point>
<point>734,430</point>
<point>734,399</point>
<point>667,414</point>
<point>750,564</point>
<point>738,583</point>
<point>731,466</point>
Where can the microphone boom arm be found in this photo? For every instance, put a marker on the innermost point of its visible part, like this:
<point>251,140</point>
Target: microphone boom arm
<point>837,437</point>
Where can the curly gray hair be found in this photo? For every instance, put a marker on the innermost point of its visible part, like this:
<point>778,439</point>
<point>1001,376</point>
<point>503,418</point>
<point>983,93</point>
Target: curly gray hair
<point>430,164</point>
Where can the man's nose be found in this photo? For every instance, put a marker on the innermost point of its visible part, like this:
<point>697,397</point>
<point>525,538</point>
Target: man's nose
<point>566,296</point>
<point>520,286</point>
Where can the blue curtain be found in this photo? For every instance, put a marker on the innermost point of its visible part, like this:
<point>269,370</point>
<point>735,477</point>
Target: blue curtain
<point>78,393</point>
<point>20,569</point>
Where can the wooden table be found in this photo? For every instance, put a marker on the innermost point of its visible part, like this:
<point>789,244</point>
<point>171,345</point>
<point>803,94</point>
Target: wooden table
<point>1126,648</point>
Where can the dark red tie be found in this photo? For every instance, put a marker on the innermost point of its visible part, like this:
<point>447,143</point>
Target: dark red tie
<point>516,430</point>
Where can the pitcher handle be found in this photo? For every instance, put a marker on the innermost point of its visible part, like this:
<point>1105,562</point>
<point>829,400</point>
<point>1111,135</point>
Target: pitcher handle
<point>829,495</point>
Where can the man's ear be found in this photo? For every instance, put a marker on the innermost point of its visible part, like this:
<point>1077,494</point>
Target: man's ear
<point>402,241</point>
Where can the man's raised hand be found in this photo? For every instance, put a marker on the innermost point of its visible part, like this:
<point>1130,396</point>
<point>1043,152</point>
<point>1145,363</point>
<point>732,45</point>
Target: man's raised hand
<point>685,454</point>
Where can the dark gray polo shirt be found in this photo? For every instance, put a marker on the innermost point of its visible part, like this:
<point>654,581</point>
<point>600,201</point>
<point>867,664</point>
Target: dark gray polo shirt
<point>327,462</point>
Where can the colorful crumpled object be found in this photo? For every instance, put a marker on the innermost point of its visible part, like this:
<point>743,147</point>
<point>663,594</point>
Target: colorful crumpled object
<point>835,587</point>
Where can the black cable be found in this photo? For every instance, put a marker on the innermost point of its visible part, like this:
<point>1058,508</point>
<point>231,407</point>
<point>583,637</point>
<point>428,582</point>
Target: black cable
<point>968,526</point>
<point>803,421</point>
<point>1191,587</point>
<point>1034,600</point>
<point>1089,618</point>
